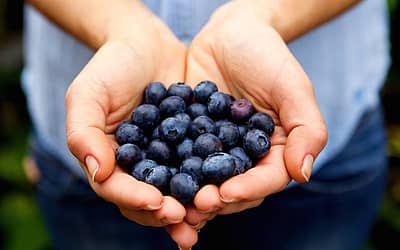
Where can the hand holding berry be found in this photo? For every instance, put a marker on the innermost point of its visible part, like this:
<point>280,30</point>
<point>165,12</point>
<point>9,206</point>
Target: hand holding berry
<point>244,54</point>
<point>105,93</point>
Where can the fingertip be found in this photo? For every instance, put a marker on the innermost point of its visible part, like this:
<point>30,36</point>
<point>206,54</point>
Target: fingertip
<point>207,199</point>
<point>172,211</point>
<point>303,146</point>
<point>183,234</point>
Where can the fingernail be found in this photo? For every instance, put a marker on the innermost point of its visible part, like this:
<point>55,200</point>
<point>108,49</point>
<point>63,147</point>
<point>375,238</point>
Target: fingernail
<point>211,210</point>
<point>92,166</point>
<point>306,169</point>
<point>153,207</point>
<point>181,248</point>
<point>166,221</point>
<point>228,200</point>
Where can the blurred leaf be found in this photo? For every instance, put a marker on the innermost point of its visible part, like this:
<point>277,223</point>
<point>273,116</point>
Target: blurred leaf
<point>11,156</point>
<point>20,217</point>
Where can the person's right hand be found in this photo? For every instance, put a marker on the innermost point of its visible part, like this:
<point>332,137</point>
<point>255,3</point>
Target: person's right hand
<point>104,94</point>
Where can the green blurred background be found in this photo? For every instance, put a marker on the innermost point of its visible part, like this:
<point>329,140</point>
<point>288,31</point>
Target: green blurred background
<point>21,226</point>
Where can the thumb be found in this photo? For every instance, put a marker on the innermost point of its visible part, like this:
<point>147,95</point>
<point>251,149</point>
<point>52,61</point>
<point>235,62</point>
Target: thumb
<point>86,121</point>
<point>303,121</point>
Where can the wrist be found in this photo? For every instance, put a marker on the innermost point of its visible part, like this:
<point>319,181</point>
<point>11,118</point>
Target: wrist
<point>293,18</point>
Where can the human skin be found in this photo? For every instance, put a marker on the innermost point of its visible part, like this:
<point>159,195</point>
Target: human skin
<point>242,48</point>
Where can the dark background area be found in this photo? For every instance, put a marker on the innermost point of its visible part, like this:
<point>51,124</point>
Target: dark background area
<point>21,225</point>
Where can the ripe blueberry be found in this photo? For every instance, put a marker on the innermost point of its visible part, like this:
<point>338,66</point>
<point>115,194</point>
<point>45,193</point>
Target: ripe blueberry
<point>159,177</point>
<point>206,144</point>
<point>218,105</point>
<point>241,154</point>
<point>182,90</point>
<point>185,149</point>
<point>160,152</point>
<point>218,167</point>
<point>172,130</point>
<point>196,110</point>
<point>183,187</point>
<point>201,125</point>
<point>228,133</point>
<point>128,133</point>
<point>203,90</point>
<point>256,143</point>
<point>263,122</point>
<point>192,166</point>
<point>146,116</point>
<point>154,93</point>
<point>127,155</point>
<point>172,105</point>
<point>185,118</point>
<point>241,110</point>
<point>141,168</point>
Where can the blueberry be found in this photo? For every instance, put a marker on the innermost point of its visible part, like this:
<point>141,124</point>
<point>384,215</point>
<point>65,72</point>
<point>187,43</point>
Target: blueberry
<point>185,118</point>
<point>146,116</point>
<point>263,122</point>
<point>229,134</point>
<point>172,105</point>
<point>197,109</point>
<point>172,130</point>
<point>182,90</point>
<point>201,125</point>
<point>183,188</point>
<point>218,167</point>
<point>241,110</point>
<point>128,133</point>
<point>127,155</point>
<point>141,168</point>
<point>219,123</point>
<point>218,105</point>
<point>156,133</point>
<point>241,154</point>
<point>154,93</point>
<point>144,143</point>
<point>192,166</point>
<point>185,149</point>
<point>206,144</point>
<point>159,177</point>
<point>160,152</point>
<point>243,130</point>
<point>203,90</point>
<point>240,166</point>
<point>256,143</point>
<point>173,170</point>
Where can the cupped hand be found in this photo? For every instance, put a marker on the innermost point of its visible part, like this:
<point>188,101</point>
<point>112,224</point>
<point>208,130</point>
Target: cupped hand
<point>104,94</point>
<point>247,57</point>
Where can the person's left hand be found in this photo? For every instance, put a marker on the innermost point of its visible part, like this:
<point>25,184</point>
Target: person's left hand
<point>247,57</point>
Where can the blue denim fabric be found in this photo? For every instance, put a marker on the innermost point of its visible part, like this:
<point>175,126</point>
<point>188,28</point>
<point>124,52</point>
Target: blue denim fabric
<point>333,211</point>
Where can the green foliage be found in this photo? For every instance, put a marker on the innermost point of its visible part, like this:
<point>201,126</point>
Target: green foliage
<point>392,4</point>
<point>20,217</point>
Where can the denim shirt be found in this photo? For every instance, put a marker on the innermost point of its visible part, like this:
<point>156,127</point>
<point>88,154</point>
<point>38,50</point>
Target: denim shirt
<point>346,59</point>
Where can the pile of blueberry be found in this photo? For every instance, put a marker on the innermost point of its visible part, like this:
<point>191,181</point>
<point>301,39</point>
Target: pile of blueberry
<point>182,138</point>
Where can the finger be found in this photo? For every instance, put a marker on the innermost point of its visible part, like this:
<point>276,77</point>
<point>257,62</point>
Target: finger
<point>207,199</point>
<point>196,218</point>
<point>172,68</point>
<point>239,206</point>
<point>91,111</point>
<point>183,234</point>
<point>125,191</point>
<point>280,83</point>
<point>201,66</point>
<point>170,213</point>
<point>269,176</point>
<point>307,134</point>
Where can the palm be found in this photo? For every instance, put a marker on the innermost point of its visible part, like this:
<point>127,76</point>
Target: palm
<point>257,65</point>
